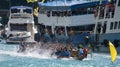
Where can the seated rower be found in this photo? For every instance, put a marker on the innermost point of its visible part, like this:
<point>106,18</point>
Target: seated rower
<point>80,55</point>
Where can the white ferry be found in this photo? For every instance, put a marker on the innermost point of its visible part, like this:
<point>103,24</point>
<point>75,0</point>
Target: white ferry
<point>20,24</point>
<point>67,14</point>
<point>98,16</point>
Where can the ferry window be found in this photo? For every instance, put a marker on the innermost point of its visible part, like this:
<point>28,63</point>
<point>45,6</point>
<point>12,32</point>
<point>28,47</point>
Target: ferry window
<point>83,11</point>
<point>27,10</point>
<point>48,13</point>
<point>119,25</point>
<point>42,10</point>
<point>61,14</point>
<point>115,26</point>
<point>111,26</point>
<point>58,13</point>
<point>54,13</point>
<point>65,13</point>
<point>89,11</point>
<point>119,3</point>
<point>68,13</point>
<point>18,27</point>
<point>15,10</point>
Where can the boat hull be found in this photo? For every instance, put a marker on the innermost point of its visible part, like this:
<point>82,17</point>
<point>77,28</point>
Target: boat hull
<point>16,40</point>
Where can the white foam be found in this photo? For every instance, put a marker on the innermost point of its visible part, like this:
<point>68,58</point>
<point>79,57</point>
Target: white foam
<point>70,58</point>
<point>35,52</point>
<point>42,55</point>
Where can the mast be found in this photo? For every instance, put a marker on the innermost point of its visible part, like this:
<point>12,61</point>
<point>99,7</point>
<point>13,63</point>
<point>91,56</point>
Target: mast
<point>65,27</point>
<point>57,10</point>
<point>96,22</point>
<point>97,18</point>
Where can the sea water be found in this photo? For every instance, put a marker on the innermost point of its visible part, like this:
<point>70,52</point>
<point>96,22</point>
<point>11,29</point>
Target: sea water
<point>10,58</point>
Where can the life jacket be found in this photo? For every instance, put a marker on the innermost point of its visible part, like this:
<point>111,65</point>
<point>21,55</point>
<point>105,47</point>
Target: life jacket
<point>81,52</point>
<point>85,50</point>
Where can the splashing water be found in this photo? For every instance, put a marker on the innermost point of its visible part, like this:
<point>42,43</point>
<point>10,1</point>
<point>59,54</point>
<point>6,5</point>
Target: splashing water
<point>33,52</point>
<point>9,57</point>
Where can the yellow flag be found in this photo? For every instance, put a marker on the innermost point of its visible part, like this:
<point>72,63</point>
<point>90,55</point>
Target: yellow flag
<point>113,52</point>
<point>36,12</point>
<point>32,1</point>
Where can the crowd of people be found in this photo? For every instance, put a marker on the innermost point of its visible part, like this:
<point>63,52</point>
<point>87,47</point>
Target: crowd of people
<point>106,10</point>
<point>78,52</point>
<point>58,49</point>
<point>59,36</point>
<point>46,35</point>
<point>59,13</point>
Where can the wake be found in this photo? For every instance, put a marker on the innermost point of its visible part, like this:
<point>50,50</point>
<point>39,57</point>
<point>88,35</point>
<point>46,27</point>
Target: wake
<point>41,54</point>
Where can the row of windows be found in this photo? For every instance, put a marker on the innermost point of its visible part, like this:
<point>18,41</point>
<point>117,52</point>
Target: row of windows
<point>115,25</point>
<point>21,16</point>
<point>18,10</point>
<point>79,11</point>
<point>57,13</point>
<point>18,27</point>
<point>83,27</point>
<point>82,11</point>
